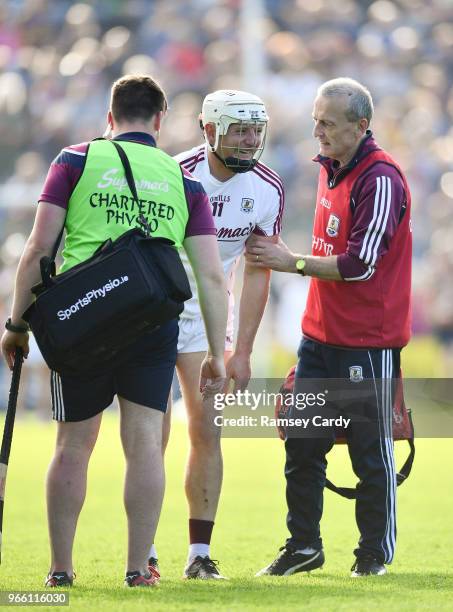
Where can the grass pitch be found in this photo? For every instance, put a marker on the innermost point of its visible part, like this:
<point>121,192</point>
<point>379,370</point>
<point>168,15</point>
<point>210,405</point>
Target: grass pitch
<point>249,530</point>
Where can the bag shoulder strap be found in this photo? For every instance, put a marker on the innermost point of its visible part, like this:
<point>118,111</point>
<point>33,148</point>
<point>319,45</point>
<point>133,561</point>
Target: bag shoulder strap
<point>127,168</point>
<point>401,476</point>
<point>141,219</point>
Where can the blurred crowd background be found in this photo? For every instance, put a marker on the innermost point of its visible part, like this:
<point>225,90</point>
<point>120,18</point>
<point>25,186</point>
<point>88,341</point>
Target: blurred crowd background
<point>58,59</point>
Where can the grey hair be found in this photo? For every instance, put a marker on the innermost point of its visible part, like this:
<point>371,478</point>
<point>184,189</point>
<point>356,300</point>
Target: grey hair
<point>360,101</point>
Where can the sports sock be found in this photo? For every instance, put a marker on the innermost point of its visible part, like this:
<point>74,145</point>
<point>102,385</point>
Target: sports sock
<point>197,550</point>
<point>200,538</point>
<point>152,552</point>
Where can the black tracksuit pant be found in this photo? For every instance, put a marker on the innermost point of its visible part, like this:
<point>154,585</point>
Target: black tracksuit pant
<point>363,391</point>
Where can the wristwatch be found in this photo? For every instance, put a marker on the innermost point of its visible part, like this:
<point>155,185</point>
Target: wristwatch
<point>300,266</point>
<point>17,329</point>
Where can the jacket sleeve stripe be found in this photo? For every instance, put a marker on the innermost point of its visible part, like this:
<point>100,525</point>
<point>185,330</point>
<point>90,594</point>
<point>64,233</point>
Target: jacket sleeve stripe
<point>383,225</point>
<point>363,277</point>
<point>376,228</point>
<point>371,225</point>
<point>377,225</point>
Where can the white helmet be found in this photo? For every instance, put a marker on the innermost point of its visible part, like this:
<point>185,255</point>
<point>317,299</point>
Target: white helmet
<point>224,107</point>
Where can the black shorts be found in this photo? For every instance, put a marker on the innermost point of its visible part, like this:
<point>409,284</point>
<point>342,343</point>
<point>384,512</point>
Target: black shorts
<point>144,376</point>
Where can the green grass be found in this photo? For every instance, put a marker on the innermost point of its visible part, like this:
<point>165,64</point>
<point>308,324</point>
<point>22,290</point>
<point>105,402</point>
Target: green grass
<point>249,529</point>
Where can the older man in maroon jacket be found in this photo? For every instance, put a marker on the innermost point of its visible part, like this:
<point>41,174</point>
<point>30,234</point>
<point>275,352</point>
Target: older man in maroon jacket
<point>356,321</point>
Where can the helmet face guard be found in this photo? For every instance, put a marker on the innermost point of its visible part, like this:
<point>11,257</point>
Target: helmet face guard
<point>224,108</point>
<point>241,158</point>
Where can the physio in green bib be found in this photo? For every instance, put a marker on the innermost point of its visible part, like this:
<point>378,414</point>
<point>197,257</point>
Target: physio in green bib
<point>101,205</point>
<point>86,192</point>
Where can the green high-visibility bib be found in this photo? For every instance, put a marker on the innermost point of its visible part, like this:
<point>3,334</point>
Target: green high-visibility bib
<point>102,206</point>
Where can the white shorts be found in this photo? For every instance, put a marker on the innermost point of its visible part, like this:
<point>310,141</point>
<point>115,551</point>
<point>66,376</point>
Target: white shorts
<point>192,336</point>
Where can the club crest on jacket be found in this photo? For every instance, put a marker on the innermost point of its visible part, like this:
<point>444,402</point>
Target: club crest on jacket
<point>333,226</point>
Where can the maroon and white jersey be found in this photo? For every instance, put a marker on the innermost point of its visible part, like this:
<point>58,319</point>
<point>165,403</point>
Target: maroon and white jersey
<point>363,216</point>
<point>247,203</point>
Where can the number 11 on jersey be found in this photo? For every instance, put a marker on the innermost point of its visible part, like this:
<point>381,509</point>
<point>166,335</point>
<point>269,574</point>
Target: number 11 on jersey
<point>217,208</point>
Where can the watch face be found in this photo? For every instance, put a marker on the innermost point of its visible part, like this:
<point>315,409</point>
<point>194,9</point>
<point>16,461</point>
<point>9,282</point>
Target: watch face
<point>300,264</point>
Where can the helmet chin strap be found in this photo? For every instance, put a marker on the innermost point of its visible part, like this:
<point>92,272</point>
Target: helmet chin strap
<point>236,165</point>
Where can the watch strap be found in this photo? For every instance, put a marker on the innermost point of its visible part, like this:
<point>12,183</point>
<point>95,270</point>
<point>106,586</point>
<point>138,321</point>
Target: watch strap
<point>17,329</point>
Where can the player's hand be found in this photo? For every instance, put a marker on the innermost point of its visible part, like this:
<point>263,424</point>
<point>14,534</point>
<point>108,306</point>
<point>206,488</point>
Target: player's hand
<point>238,369</point>
<point>212,375</point>
<point>11,340</point>
<point>276,256</point>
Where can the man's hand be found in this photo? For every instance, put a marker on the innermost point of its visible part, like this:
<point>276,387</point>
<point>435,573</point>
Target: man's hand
<point>276,256</point>
<point>10,341</point>
<point>212,375</point>
<point>238,369</point>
